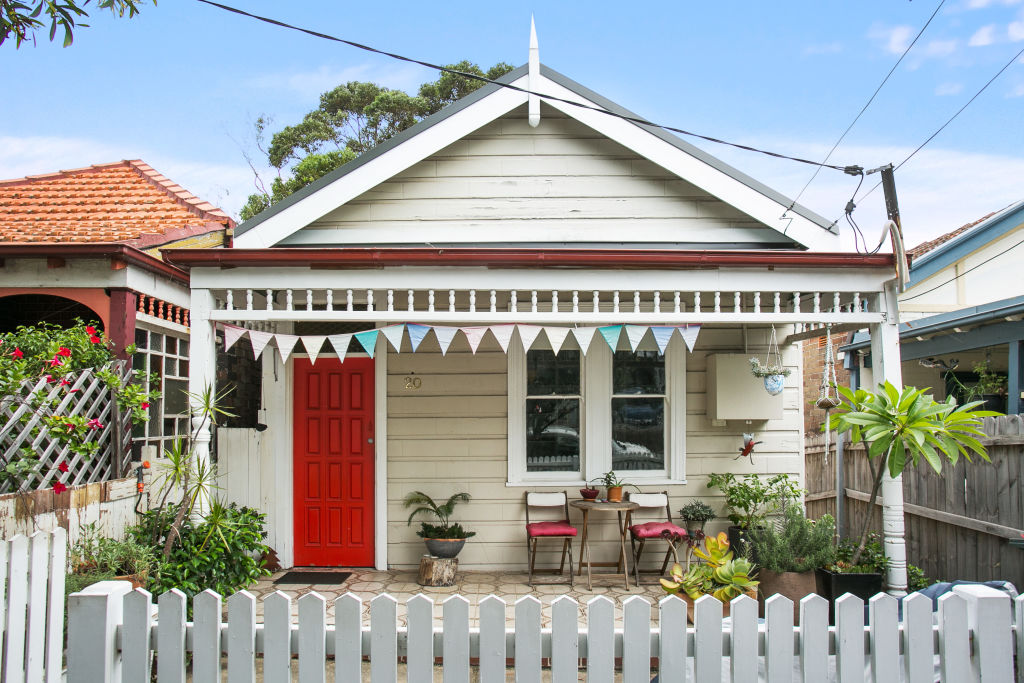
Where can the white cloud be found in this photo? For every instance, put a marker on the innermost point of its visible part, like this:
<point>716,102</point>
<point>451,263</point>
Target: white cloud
<point>1017,90</point>
<point>986,35</point>
<point>894,39</point>
<point>944,89</point>
<point>940,48</point>
<point>314,82</point>
<point>824,49</point>
<point>1015,31</point>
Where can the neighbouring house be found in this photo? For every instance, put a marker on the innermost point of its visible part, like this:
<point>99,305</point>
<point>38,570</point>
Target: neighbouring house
<point>85,243</point>
<point>512,295</point>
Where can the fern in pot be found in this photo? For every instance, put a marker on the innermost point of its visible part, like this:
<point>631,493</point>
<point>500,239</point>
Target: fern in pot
<point>446,538</point>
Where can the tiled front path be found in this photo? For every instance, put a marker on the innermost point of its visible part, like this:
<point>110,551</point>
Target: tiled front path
<point>474,586</point>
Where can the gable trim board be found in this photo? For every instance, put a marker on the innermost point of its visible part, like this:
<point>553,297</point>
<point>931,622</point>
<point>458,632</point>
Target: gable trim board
<point>490,102</point>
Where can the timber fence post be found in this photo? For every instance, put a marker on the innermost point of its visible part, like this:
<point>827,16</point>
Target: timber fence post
<point>93,617</point>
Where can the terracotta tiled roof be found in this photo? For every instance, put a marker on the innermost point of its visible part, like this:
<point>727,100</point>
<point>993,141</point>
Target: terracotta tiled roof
<point>923,248</point>
<point>124,201</point>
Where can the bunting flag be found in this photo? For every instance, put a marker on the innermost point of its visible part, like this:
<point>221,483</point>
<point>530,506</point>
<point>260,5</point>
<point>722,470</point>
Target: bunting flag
<point>340,342</point>
<point>662,336</point>
<point>474,335</point>
<point>232,333</point>
<point>528,335</point>
<point>285,344</point>
<point>611,335</point>
<point>503,335</point>
<point>313,344</point>
<point>584,335</point>
<point>417,333</point>
<point>689,335</point>
<point>556,336</point>
<point>635,333</point>
<point>259,341</point>
<point>393,333</point>
<point>368,338</point>
<point>444,336</point>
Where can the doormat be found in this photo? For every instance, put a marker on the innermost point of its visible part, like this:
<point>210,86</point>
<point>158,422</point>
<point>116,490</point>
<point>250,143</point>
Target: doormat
<point>308,577</point>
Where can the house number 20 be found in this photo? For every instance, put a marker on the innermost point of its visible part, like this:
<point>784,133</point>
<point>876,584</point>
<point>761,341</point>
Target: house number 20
<point>413,383</point>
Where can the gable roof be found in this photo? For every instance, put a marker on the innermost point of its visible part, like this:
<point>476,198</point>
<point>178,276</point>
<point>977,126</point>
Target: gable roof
<point>127,202</point>
<point>492,101</point>
<point>923,248</point>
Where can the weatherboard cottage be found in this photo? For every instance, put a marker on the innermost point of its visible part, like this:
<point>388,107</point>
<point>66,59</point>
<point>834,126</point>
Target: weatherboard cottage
<point>518,293</point>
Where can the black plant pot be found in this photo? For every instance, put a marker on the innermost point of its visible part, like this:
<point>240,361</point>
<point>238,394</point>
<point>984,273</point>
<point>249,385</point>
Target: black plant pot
<point>740,544</point>
<point>833,585</point>
<point>444,547</point>
<point>996,402</point>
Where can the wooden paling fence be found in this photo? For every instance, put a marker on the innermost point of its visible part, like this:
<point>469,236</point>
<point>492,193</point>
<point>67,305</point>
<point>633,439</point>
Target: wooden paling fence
<point>112,636</point>
<point>32,607</point>
<point>959,524</point>
<point>89,397</point>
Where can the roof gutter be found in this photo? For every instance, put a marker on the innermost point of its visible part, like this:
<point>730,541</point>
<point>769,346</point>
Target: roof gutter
<point>518,258</point>
<point>96,250</point>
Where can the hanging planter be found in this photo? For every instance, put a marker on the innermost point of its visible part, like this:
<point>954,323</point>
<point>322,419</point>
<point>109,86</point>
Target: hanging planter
<point>771,370</point>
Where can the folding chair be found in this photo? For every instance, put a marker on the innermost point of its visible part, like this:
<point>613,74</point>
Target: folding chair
<point>639,534</point>
<point>549,529</point>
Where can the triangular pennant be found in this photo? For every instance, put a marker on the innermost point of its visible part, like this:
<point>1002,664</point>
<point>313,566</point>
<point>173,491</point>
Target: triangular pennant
<point>556,336</point>
<point>635,333</point>
<point>689,335</point>
<point>259,341</point>
<point>528,334</point>
<point>444,336</point>
<point>368,339</point>
<point>313,344</point>
<point>393,333</point>
<point>584,335</point>
<point>662,335</point>
<point>474,335</point>
<point>417,333</point>
<point>285,344</point>
<point>232,333</point>
<point>611,335</point>
<point>503,335</point>
<point>340,343</point>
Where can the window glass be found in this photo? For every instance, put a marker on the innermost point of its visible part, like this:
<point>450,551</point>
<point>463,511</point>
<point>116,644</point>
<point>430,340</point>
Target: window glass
<point>141,338</point>
<point>175,400</point>
<point>553,435</point>
<point>551,375</point>
<point>638,411</point>
<point>642,372</point>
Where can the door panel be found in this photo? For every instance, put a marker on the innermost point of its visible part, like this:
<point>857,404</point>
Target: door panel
<point>333,463</point>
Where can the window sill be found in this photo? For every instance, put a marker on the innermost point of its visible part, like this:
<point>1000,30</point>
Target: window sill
<point>662,481</point>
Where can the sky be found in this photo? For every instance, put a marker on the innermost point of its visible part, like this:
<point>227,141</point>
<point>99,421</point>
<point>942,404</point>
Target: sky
<point>181,85</point>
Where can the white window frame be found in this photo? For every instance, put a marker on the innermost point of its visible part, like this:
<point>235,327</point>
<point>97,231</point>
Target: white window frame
<point>595,418</point>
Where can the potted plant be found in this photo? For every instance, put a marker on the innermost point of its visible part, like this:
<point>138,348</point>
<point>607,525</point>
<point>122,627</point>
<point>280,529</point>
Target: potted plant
<point>695,514</point>
<point>589,492</point>
<point>991,387</point>
<point>720,574</point>
<point>750,500</point>
<point>863,578</point>
<point>774,375</point>
<point>789,551</point>
<point>124,559</point>
<point>613,485</point>
<point>446,538</point>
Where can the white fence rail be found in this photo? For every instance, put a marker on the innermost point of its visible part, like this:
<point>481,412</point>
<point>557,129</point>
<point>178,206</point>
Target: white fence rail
<point>32,607</point>
<point>971,637</point>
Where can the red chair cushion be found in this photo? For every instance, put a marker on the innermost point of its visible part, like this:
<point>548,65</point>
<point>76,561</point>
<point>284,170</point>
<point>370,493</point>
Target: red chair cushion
<point>550,529</point>
<point>654,529</point>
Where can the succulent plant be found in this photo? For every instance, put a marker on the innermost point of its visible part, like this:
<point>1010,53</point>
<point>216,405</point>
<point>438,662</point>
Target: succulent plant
<point>719,575</point>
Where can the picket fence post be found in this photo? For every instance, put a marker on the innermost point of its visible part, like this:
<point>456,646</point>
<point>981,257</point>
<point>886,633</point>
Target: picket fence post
<point>93,617</point>
<point>988,617</point>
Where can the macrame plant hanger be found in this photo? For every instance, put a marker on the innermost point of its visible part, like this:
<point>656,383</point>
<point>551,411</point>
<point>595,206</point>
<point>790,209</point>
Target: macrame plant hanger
<point>828,392</point>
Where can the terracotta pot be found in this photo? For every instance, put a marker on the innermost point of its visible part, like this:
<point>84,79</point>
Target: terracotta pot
<point>137,580</point>
<point>615,494</point>
<point>793,585</point>
<point>725,605</point>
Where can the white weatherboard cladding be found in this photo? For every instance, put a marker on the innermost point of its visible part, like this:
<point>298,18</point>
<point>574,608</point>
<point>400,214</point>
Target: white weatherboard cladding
<point>559,182</point>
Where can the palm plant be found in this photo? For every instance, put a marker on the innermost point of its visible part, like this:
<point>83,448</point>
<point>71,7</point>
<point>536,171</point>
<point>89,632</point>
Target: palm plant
<point>900,426</point>
<point>424,504</point>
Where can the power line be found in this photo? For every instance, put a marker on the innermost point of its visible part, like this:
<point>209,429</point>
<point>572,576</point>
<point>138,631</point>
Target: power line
<point>581,105</point>
<point>867,104</point>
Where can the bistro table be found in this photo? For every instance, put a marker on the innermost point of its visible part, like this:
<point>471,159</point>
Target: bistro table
<point>605,506</point>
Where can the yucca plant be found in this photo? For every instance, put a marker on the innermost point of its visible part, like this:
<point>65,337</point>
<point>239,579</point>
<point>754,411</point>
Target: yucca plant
<point>900,426</point>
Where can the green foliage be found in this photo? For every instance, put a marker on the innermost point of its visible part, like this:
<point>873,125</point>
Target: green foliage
<point>222,551</point>
<point>93,553</point>
<point>352,119</point>
<point>425,505</point>
<point>794,543</point>
<point>872,559</point>
<point>989,382</point>
<point>750,500</point>
<point>759,369</point>
<point>21,18</point>
<point>916,580</point>
<point>720,575</point>
<point>697,511</point>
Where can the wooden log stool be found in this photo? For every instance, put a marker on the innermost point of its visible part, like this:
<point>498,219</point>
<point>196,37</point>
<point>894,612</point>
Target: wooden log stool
<point>437,571</point>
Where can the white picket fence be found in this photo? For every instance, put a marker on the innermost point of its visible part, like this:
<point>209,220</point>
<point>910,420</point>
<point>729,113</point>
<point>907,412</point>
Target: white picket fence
<point>113,635</point>
<point>32,607</point>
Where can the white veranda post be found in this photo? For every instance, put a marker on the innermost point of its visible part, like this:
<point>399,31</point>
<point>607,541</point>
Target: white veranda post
<point>203,369</point>
<point>885,366</point>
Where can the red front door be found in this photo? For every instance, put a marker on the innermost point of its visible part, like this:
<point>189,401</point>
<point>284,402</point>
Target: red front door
<point>334,463</point>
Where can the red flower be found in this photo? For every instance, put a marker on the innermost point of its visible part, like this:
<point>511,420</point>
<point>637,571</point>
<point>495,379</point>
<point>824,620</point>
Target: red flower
<point>64,351</point>
<point>145,405</point>
<point>94,424</point>
<point>64,382</point>
<point>57,360</point>
<point>59,488</point>
<point>90,330</point>
<point>48,378</point>
<point>63,466</point>
<point>94,339</point>
<point>70,426</point>
<point>17,353</point>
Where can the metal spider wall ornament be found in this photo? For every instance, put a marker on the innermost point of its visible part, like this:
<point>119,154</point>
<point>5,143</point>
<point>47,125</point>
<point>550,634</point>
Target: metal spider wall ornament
<point>748,447</point>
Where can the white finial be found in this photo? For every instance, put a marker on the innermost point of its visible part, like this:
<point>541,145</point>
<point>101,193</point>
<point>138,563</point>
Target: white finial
<point>534,80</point>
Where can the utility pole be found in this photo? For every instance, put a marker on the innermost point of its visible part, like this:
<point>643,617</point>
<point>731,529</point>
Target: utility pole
<point>892,211</point>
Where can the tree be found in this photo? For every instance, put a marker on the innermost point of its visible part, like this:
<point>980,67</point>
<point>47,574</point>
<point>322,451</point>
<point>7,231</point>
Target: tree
<point>351,119</point>
<point>899,427</point>
<point>22,19</point>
